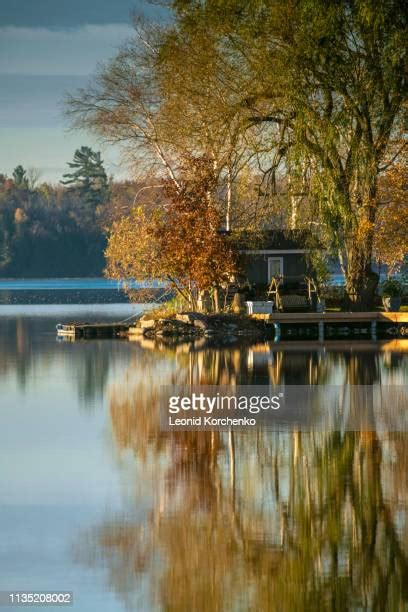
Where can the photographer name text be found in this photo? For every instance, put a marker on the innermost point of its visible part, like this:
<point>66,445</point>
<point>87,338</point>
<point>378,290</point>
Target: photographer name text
<point>200,410</point>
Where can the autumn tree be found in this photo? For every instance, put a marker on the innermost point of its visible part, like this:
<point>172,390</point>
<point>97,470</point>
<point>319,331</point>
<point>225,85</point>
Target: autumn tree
<point>391,237</point>
<point>120,104</point>
<point>179,243</point>
<point>164,97</point>
<point>315,91</point>
<point>331,76</point>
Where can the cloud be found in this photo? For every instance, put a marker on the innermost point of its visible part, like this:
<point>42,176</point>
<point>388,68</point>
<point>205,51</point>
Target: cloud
<point>35,101</point>
<point>41,51</point>
<point>37,67</point>
<point>68,14</point>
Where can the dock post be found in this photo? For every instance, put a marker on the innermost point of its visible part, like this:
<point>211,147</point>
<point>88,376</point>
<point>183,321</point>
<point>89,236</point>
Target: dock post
<point>374,330</point>
<point>277,331</point>
<point>321,331</point>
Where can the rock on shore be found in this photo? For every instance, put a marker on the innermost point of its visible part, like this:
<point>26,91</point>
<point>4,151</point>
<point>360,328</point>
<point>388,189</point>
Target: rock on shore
<point>193,325</point>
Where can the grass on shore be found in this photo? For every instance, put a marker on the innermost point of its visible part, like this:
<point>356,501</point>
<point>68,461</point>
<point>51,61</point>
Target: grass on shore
<point>171,308</point>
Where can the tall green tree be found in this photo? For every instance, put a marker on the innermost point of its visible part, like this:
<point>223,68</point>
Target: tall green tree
<point>331,77</point>
<point>88,176</point>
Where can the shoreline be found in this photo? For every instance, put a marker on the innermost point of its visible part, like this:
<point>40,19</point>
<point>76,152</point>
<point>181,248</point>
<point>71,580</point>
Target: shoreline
<point>184,326</point>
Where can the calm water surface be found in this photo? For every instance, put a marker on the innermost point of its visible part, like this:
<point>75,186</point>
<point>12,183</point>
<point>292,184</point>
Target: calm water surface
<point>96,499</point>
<point>26,284</point>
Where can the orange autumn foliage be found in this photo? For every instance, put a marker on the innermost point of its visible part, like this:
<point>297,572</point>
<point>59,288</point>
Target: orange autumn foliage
<point>391,236</point>
<point>179,243</point>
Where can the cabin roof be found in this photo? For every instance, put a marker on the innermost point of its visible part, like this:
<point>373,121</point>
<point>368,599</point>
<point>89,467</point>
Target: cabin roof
<point>274,240</point>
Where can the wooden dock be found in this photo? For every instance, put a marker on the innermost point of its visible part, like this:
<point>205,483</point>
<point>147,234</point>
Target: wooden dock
<point>337,325</point>
<point>92,330</point>
<point>338,317</point>
<point>291,326</point>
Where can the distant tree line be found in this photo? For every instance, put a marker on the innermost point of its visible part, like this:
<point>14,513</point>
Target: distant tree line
<point>59,230</point>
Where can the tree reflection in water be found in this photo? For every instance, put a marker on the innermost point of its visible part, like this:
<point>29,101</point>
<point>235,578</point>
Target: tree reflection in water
<point>28,345</point>
<point>260,520</point>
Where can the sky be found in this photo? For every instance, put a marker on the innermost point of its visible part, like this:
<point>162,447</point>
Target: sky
<point>49,48</point>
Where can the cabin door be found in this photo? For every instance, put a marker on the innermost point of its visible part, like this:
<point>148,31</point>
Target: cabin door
<point>275,267</point>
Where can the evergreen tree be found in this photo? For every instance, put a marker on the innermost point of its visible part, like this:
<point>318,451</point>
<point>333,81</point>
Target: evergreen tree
<point>88,176</point>
<point>20,177</point>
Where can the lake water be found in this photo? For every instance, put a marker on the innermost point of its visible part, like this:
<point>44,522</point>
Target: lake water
<point>30,284</point>
<point>74,291</point>
<point>96,499</point>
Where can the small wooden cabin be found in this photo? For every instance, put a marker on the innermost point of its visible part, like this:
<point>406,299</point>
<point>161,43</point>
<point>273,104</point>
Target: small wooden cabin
<point>274,253</point>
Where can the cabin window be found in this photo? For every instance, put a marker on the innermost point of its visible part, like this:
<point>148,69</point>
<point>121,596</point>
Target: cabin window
<point>275,267</point>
